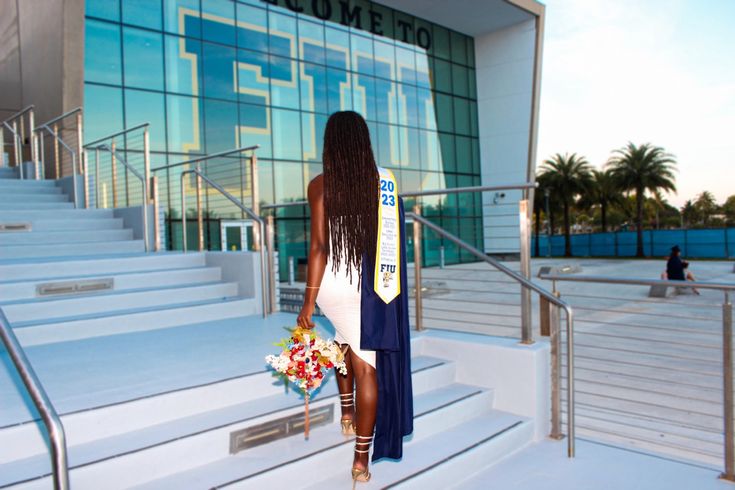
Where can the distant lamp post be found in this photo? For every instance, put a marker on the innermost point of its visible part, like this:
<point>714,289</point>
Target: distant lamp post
<point>547,192</point>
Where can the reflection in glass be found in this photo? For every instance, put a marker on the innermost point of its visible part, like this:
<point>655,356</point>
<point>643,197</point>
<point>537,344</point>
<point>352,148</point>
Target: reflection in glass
<point>255,128</point>
<point>252,32</point>
<point>385,60</point>
<point>253,73</point>
<point>338,91</point>
<point>104,9</point>
<point>144,13</point>
<point>361,49</point>
<point>183,65</point>
<point>182,17</point>
<point>284,86</point>
<point>312,127</point>
<point>219,71</point>
<point>338,43</point>
<point>311,40</point>
<point>461,116</point>
<point>102,52</point>
<point>220,125</point>
<point>143,106</point>
<point>143,58</point>
<point>184,124</point>
<point>103,112</point>
<point>313,88</point>
<point>289,181</point>
<point>286,128</point>
<point>218,21</point>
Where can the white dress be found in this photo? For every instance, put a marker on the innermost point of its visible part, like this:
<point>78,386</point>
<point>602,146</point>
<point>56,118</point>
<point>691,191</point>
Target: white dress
<point>339,299</point>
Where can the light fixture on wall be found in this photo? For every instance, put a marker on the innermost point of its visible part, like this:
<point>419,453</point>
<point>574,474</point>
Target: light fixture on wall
<point>498,196</point>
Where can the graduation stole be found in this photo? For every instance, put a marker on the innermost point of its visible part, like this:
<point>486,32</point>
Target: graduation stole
<point>388,251</point>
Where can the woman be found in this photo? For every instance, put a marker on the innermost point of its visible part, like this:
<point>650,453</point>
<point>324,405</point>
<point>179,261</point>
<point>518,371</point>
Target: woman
<point>356,217</point>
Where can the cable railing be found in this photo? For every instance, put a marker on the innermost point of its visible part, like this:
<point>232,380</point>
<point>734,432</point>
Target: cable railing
<point>41,401</point>
<point>66,150</point>
<point>20,126</point>
<point>249,212</point>
<point>653,373</point>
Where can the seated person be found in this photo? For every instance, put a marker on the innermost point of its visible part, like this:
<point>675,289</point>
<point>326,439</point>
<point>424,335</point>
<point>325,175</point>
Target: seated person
<point>676,268</point>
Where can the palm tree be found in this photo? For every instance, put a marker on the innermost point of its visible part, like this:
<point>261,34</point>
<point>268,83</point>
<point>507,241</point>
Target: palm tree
<point>688,213</point>
<point>567,176</point>
<point>604,192</point>
<point>706,206</point>
<point>539,203</point>
<point>640,169</point>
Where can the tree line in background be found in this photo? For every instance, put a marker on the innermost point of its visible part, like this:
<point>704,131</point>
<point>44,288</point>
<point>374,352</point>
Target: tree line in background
<point>626,193</point>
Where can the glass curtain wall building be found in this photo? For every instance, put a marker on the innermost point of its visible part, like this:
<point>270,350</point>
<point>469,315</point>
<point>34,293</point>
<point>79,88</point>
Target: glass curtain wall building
<point>213,75</point>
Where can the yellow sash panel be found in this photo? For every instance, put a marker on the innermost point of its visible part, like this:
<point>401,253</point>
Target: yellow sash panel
<point>388,253</point>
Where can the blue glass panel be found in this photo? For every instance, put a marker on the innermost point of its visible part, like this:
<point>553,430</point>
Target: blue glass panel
<point>442,75</point>
<point>102,52</point>
<point>184,124</point>
<point>183,65</point>
<point>182,17</point>
<point>426,112</point>
<point>218,21</point>
<point>460,80</point>
<point>312,127</point>
<point>386,100</point>
<point>255,128</point>
<point>103,111</point>
<point>252,32</point>
<point>429,147</point>
<point>444,112</point>
<point>219,71</point>
<point>311,40</point>
<point>142,106</point>
<point>143,58</point>
<point>144,13</point>
<point>459,48</point>
<point>104,9</point>
<point>461,115</point>
<point>220,125</point>
<point>408,105</point>
<point>282,30</point>
<point>363,96</point>
<point>362,54</point>
<point>423,77</point>
<point>338,92</point>
<point>440,42</point>
<point>284,86</point>
<point>314,88</point>
<point>338,43</point>
<point>286,125</point>
<point>406,65</point>
<point>289,181</point>
<point>253,73</point>
<point>385,60</point>
<point>410,153</point>
<point>389,151</point>
<point>447,153</point>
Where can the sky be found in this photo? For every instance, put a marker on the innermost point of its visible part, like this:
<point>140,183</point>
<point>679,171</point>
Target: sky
<point>658,71</point>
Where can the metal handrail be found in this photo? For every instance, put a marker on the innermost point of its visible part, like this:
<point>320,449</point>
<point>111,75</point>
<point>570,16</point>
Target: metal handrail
<point>115,135</point>
<point>59,118</point>
<point>50,417</point>
<point>73,154</point>
<point>252,214</point>
<point>115,154</point>
<point>430,192</point>
<point>724,286</point>
<point>15,145</point>
<point>20,112</point>
<point>727,335</point>
<point>550,297</point>
<point>208,157</point>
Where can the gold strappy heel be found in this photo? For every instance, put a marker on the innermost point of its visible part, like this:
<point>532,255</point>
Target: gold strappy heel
<point>346,400</point>
<point>362,446</point>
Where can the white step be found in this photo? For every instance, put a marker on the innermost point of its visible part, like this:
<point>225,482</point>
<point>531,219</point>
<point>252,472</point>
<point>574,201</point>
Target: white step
<point>34,196</point>
<point>72,249</point>
<point>179,444</point>
<point>129,322</point>
<point>69,224</point>
<point>44,311</point>
<point>47,237</point>
<point>42,205</point>
<point>19,290</point>
<point>59,269</point>
<point>33,215</point>
<point>268,466</point>
<point>43,190</point>
<point>8,172</point>
<point>25,184</point>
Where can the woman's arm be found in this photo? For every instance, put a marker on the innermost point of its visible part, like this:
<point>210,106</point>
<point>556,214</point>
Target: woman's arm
<point>317,251</point>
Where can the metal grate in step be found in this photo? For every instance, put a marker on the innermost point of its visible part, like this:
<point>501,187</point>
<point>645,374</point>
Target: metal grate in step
<point>277,429</point>
<point>14,227</point>
<point>75,287</point>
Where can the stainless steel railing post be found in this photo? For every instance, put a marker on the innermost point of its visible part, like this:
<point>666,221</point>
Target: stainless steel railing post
<point>417,268</point>
<point>97,177</point>
<point>85,176</point>
<point>156,218</point>
<point>113,150</point>
<point>525,249</point>
<point>183,212</point>
<point>17,149</point>
<point>727,377</point>
<point>270,239</point>
<point>57,155</point>
<point>555,342</point>
<point>570,384</point>
<point>255,196</point>
<point>200,217</point>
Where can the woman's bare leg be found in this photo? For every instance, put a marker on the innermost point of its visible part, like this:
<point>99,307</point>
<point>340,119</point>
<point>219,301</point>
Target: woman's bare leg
<point>346,385</point>
<point>690,277</point>
<point>367,404</point>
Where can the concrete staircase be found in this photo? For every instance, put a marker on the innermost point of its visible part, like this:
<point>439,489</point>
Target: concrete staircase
<point>160,360</point>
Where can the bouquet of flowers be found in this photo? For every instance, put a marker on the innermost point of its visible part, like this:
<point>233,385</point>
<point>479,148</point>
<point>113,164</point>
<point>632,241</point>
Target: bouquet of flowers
<point>302,361</point>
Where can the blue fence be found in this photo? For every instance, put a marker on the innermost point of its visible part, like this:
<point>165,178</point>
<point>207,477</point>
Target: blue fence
<point>715,243</point>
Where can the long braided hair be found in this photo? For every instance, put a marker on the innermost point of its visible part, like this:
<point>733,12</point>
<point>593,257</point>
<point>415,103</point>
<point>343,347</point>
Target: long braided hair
<point>351,182</point>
